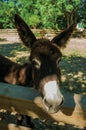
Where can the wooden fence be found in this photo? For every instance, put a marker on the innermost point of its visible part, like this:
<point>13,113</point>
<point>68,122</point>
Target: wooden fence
<point>43,32</point>
<point>27,101</point>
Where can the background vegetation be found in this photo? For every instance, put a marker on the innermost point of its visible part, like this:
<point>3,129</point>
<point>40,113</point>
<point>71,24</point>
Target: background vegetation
<point>56,14</point>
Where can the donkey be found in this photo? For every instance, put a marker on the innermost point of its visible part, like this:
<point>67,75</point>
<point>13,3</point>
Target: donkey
<point>42,69</point>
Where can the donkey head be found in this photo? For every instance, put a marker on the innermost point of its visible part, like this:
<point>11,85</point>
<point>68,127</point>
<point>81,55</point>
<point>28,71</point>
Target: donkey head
<point>45,57</point>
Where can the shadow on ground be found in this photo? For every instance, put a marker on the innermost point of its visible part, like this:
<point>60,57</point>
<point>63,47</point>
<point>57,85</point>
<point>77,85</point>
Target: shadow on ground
<point>16,52</point>
<point>10,120</point>
<point>74,73</point>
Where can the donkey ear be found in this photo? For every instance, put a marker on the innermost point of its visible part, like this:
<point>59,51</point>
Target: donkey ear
<point>24,31</point>
<point>63,37</point>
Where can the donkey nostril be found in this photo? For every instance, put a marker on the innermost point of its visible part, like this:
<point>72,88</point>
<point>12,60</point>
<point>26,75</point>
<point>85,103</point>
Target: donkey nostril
<point>47,104</point>
<point>61,102</point>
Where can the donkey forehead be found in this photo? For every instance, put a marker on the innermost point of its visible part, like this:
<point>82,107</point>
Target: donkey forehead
<point>45,47</point>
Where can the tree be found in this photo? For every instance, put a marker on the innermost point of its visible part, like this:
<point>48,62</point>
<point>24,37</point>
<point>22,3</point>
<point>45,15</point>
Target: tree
<point>6,14</point>
<point>56,14</point>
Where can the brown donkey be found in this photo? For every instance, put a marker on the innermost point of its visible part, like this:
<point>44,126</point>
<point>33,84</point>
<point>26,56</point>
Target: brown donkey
<point>42,69</point>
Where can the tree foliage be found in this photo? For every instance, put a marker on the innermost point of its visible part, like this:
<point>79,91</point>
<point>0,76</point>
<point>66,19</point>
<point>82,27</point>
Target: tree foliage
<point>43,14</point>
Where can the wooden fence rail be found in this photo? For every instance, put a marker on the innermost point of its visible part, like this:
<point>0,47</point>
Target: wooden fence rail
<point>44,32</point>
<point>27,101</point>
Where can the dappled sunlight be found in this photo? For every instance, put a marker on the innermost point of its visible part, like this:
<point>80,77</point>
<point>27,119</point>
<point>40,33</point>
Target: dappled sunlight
<point>73,73</point>
<point>16,52</point>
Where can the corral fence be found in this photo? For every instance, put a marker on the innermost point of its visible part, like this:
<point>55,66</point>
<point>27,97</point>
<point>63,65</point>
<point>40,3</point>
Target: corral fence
<point>27,101</point>
<point>42,33</point>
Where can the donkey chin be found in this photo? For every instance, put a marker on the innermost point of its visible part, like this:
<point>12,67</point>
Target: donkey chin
<point>52,97</point>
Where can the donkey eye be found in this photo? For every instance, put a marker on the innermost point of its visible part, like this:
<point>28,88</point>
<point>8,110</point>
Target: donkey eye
<point>36,63</point>
<point>58,60</point>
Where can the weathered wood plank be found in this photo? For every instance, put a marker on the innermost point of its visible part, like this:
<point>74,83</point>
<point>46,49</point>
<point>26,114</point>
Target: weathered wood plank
<point>27,101</point>
<point>17,91</point>
<point>41,33</point>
